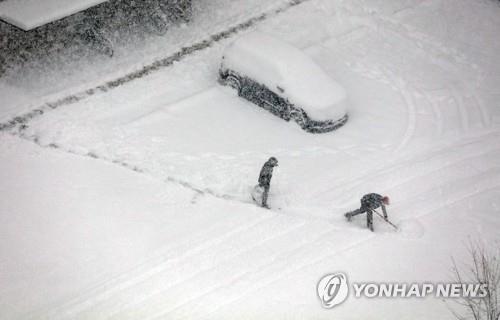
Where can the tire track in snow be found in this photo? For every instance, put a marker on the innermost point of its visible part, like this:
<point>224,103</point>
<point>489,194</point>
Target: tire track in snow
<point>462,110</point>
<point>111,308</point>
<point>158,263</point>
<point>287,270</point>
<point>24,119</point>
<point>485,117</point>
<point>462,196</point>
<point>106,291</point>
<point>437,186</point>
<point>431,172</point>
<point>412,119</point>
<point>435,109</point>
<point>488,180</point>
<point>251,278</point>
<point>382,74</point>
<point>454,56</point>
<point>475,107</point>
<point>424,173</point>
<point>420,159</point>
<point>387,25</point>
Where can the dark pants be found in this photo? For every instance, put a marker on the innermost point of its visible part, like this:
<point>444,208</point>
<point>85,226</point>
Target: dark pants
<point>265,195</point>
<point>369,215</point>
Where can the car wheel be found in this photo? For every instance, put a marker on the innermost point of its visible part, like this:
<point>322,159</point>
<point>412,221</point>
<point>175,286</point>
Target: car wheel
<point>300,117</point>
<point>233,82</point>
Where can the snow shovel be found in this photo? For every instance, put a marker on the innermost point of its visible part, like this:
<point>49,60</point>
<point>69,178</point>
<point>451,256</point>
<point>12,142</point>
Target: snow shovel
<point>386,220</point>
<point>257,194</point>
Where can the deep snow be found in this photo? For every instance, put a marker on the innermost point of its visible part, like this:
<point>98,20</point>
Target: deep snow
<point>134,203</point>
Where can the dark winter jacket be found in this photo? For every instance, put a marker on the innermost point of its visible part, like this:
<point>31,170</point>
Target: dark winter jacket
<point>266,173</point>
<point>371,201</point>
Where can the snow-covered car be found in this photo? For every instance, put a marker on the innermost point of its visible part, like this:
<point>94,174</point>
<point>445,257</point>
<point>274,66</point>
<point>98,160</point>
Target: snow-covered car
<point>285,81</point>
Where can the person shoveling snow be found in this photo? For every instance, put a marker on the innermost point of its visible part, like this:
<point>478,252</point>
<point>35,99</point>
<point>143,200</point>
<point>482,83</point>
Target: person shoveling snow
<point>261,191</point>
<point>369,203</point>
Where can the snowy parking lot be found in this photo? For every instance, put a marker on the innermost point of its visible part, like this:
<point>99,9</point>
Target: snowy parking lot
<point>134,203</point>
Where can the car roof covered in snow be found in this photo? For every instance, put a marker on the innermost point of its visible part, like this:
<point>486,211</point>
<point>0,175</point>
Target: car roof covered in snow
<point>275,63</point>
<point>30,14</point>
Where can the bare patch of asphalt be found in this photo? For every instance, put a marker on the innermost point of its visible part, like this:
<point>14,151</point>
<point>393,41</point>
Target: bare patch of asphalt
<point>21,121</point>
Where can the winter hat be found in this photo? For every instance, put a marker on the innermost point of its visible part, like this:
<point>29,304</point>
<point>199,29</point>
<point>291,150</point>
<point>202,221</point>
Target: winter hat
<point>386,200</point>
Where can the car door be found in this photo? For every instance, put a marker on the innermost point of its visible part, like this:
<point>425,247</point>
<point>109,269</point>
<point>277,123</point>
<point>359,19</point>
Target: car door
<point>275,103</point>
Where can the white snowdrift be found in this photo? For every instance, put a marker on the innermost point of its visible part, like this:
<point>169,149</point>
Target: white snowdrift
<point>277,64</point>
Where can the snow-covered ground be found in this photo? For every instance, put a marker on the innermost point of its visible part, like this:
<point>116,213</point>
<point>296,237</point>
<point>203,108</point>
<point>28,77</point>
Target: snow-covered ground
<point>134,203</point>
